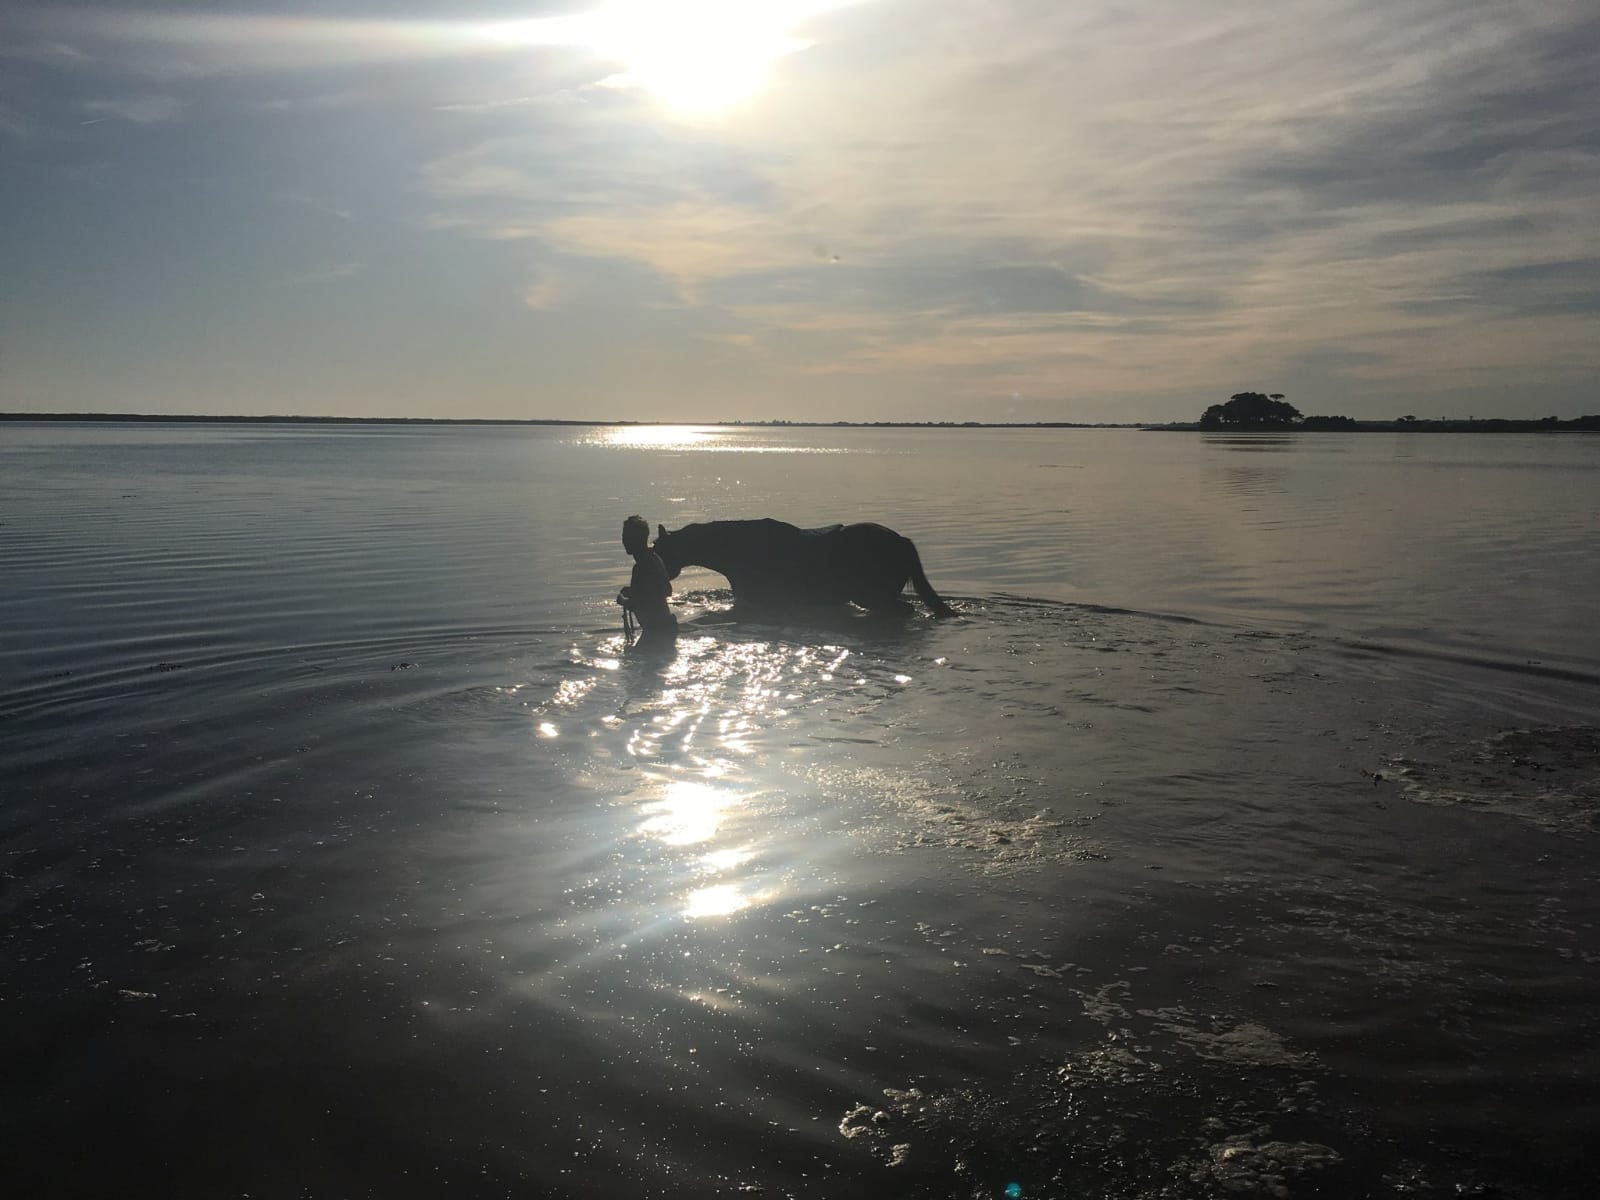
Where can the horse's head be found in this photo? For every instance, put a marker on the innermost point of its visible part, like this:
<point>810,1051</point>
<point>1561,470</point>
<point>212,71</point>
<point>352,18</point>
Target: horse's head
<point>669,551</point>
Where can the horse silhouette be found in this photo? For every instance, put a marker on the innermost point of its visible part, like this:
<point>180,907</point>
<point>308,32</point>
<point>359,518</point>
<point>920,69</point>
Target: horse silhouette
<point>772,564</point>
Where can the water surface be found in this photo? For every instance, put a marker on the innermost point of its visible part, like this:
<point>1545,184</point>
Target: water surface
<point>1238,839</point>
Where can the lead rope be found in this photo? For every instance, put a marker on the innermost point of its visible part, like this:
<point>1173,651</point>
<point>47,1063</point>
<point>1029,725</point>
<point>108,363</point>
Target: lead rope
<point>627,627</point>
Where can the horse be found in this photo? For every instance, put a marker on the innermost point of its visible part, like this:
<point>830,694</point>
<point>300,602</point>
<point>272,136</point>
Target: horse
<point>773,564</point>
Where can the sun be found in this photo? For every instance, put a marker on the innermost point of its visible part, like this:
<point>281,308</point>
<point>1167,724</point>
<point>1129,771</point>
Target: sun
<point>696,57</point>
<point>701,57</point>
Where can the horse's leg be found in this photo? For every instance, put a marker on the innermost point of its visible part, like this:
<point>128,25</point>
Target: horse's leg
<point>877,586</point>
<point>884,602</point>
<point>880,578</point>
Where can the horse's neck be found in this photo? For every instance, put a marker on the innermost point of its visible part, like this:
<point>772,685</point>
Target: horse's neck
<point>724,551</point>
<point>716,554</point>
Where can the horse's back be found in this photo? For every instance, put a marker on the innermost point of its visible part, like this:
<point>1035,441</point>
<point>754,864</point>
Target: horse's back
<point>773,530</point>
<point>768,561</point>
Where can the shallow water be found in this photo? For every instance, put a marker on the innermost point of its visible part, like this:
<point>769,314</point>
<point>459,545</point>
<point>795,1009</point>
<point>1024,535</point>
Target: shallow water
<point>1238,839</point>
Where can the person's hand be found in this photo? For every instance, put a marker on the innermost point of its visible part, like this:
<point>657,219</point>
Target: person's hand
<point>624,599</point>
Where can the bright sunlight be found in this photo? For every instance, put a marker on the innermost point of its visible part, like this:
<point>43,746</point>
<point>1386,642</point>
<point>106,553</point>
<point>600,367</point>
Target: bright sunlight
<point>697,57</point>
<point>701,57</point>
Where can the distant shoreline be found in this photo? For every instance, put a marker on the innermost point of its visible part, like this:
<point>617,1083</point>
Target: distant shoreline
<point>194,419</point>
<point>191,418</point>
<point>1585,424</point>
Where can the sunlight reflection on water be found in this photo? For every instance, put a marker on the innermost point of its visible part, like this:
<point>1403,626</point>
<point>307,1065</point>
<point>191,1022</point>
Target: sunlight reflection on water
<point>719,900</point>
<point>695,840</point>
<point>446,878</point>
<point>688,812</point>
<point>696,437</point>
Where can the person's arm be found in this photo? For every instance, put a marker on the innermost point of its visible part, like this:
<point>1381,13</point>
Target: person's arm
<point>638,586</point>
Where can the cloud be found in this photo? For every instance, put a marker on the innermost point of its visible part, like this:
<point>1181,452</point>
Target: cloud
<point>313,102</point>
<point>317,205</point>
<point>50,53</point>
<point>1207,191</point>
<point>509,103</point>
<point>139,110</point>
<point>332,273</point>
<point>1083,201</point>
<point>13,123</point>
<point>172,45</point>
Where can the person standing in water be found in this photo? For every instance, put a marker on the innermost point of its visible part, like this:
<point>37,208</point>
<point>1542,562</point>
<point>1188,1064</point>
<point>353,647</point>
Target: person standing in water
<point>646,594</point>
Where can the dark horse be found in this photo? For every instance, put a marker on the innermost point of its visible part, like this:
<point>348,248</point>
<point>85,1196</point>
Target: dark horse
<point>773,564</point>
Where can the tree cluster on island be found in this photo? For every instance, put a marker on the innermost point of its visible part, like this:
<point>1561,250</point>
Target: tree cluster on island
<point>1264,411</point>
<point>1252,410</point>
<point>1259,410</point>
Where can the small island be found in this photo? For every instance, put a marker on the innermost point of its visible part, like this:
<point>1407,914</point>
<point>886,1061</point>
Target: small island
<point>1264,412</point>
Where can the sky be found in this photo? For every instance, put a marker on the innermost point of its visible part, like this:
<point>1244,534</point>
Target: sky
<point>703,210</point>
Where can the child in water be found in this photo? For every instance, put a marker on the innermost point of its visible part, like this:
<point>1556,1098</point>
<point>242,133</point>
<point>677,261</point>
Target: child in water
<point>646,594</point>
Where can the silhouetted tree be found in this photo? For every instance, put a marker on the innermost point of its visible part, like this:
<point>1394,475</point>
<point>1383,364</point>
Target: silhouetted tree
<point>1251,410</point>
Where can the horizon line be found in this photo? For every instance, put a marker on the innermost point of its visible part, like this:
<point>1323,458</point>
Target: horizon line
<point>1585,423</point>
<point>285,418</point>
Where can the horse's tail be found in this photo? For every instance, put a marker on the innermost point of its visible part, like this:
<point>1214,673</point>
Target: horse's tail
<point>925,589</point>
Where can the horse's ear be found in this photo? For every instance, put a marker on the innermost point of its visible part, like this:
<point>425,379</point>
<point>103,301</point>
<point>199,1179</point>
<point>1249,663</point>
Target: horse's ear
<point>661,530</point>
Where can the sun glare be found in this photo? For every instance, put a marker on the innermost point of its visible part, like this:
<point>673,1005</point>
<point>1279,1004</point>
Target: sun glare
<point>688,812</point>
<point>696,57</point>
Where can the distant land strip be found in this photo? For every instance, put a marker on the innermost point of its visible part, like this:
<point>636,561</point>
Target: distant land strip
<point>1584,424</point>
<point>193,418</point>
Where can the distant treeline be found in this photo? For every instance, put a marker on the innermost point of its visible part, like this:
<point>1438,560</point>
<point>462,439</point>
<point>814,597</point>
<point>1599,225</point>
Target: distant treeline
<point>1585,424</point>
<point>1264,412</point>
<point>190,418</point>
<point>1589,424</point>
<point>208,419</point>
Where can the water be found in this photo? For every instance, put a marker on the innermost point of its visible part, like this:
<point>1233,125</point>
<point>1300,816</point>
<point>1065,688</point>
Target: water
<point>1237,840</point>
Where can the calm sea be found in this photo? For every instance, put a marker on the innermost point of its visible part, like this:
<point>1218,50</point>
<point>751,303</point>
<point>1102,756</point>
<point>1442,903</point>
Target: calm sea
<point>1239,838</point>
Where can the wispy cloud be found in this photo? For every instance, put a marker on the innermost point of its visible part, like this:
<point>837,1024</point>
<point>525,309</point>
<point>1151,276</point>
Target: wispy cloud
<point>312,102</point>
<point>328,274</point>
<point>13,124</point>
<point>139,110</point>
<point>51,53</point>
<point>1195,190</point>
<point>317,204</point>
<point>177,45</point>
<point>1099,202</point>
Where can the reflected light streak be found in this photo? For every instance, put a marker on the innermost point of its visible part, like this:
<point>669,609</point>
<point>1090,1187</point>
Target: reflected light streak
<point>657,437</point>
<point>706,841</point>
<point>699,437</point>
<point>689,812</point>
<point>724,860</point>
<point>719,900</point>
<point>571,691</point>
